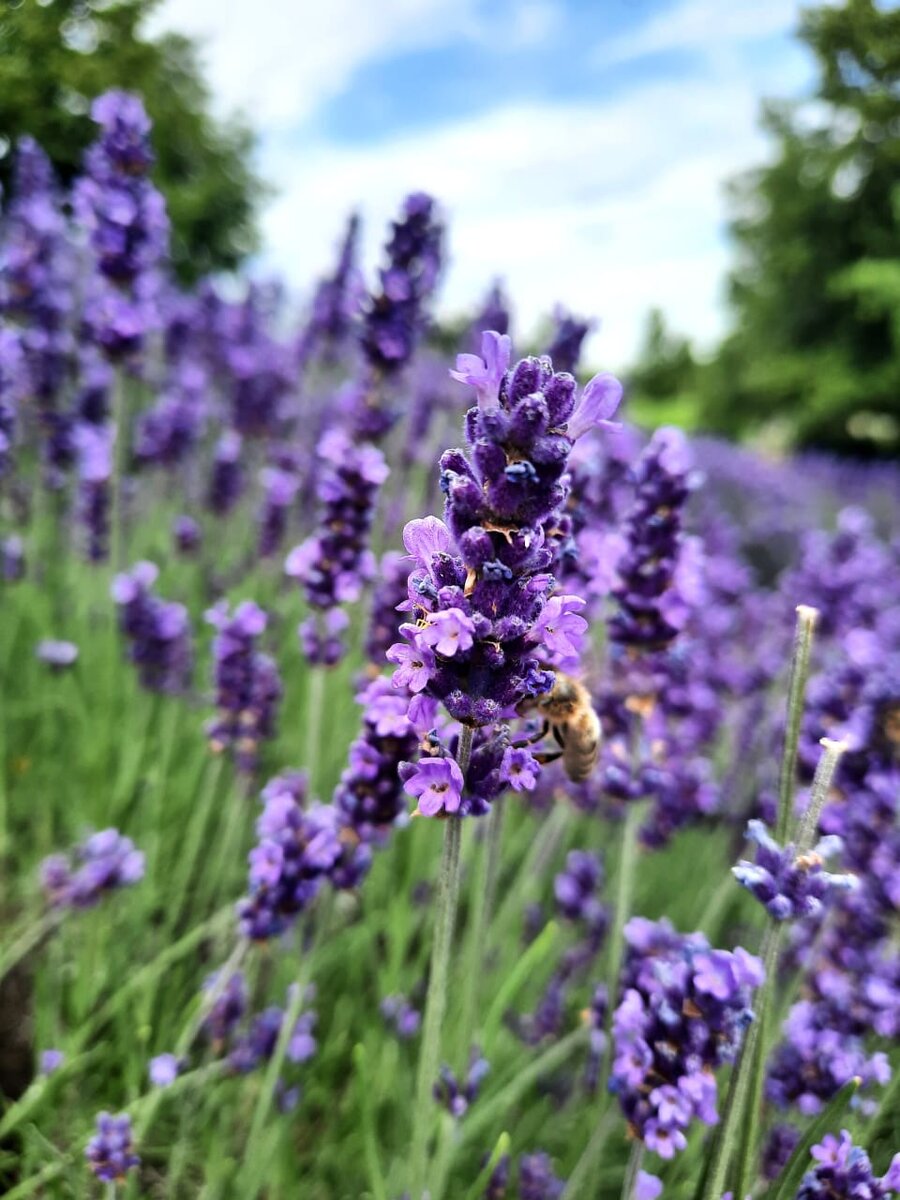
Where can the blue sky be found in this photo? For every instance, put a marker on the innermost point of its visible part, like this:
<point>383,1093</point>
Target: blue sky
<point>580,148</point>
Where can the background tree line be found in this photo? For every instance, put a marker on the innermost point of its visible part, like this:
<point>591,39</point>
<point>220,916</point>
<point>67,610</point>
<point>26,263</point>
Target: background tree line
<point>813,352</point>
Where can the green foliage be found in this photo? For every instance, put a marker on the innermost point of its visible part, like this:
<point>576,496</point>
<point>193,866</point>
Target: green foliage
<point>661,386</point>
<point>56,55</point>
<point>815,343</point>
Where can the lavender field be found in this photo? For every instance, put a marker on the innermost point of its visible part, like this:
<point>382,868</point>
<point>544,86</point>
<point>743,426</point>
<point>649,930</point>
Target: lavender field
<point>417,779</point>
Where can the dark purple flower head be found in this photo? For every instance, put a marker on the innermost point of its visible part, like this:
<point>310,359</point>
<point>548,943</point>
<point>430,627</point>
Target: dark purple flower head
<point>335,563</point>
<point>387,596</point>
<point>457,1097</point>
<point>789,885</point>
<point>109,1152</point>
<point>568,337</point>
<point>186,533</point>
<point>683,1013</point>
<point>537,1180</point>
<point>485,622</point>
<point>123,212</point>
<point>401,1016</point>
<point>103,862</point>
<point>576,889</point>
<point>395,315</point>
<point>843,1172</point>
<point>226,481</point>
<point>158,631</point>
<point>652,594</point>
<point>228,1008</point>
<point>370,794</point>
<point>248,686</point>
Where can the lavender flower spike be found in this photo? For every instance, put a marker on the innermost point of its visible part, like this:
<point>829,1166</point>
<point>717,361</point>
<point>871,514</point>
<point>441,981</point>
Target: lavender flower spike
<point>109,1152</point>
<point>789,885</point>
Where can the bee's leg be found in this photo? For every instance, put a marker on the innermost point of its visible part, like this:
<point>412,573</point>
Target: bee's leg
<point>559,734</point>
<point>548,756</point>
<point>537,737</point>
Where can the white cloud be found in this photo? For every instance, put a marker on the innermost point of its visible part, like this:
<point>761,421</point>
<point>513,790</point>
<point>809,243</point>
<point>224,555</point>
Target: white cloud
<point>609,207</point>
<point>710,27</point>
<point>280,60</point>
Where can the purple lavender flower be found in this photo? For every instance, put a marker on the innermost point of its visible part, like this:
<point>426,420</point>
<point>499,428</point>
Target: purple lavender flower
<point>843,1172</point>
<point>109,1152</point>
<point>56,654</point>
<point>369,794</point>
<point>187,534</point>
<point>168,432</point>
<point>36,276</point>
<point>485,373</point>
<point>537,1180</point>
<point>647,1187</point>
<point>387,596</point>
<point>776,1152</point>
<point>789,885</point>
<point>51,1061</point>
<point>487,625</point>
<point>576,888</point>
<point>683,1013</point>
<point>336,302</point>
<point>227,1010</point>
<point>122,211</point>
<point>457,1097</point>
<point>401,1016</point>
<point>298,850</point>
<point>12,558</point>
<point>226,481</point>
<point>437,784</point>
<point>568,337</point>
<point>651,607</point>
<point>336,562</point>
<point>394,319</point>
<point>248,687</point>
<point>280,489</point>
<point>164,1069</point>
<point>94,445</point>
<point>158,631</point>
<point>258,1044</point>
<point>104,862</point>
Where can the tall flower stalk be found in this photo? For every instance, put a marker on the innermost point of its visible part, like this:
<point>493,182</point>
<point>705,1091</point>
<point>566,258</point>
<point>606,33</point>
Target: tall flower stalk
<point>487,627</point>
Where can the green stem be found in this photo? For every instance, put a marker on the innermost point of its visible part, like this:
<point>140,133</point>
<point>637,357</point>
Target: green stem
<point>374,1172</point>
<point>479,1120</point>
<point>635,1158</point>
<point>482,911</point>
<point>446,903</point>
<point>803,640</point>
<point>315,704</point>
<point>586,1167</point>
<point>821,787</point>
<point>120,459</point>
<point>736,1110</point>
<point>628,857</point>
<point>29,939</point>
<point>435,1005</point>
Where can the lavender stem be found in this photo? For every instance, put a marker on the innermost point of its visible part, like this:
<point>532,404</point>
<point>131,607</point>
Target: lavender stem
<point>436,1000</point>
<point>803,639</point>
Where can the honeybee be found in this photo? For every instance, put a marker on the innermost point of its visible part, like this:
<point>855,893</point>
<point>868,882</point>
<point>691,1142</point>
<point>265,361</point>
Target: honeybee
<point>568,713</point>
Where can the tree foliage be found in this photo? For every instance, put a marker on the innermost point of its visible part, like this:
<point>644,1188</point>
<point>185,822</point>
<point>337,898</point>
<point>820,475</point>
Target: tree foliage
<point>56,55</point>
<point>815,343</point>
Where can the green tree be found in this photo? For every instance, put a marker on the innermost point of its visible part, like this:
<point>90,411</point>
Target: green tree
<point>815,344</point>
<point>56,55</point>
